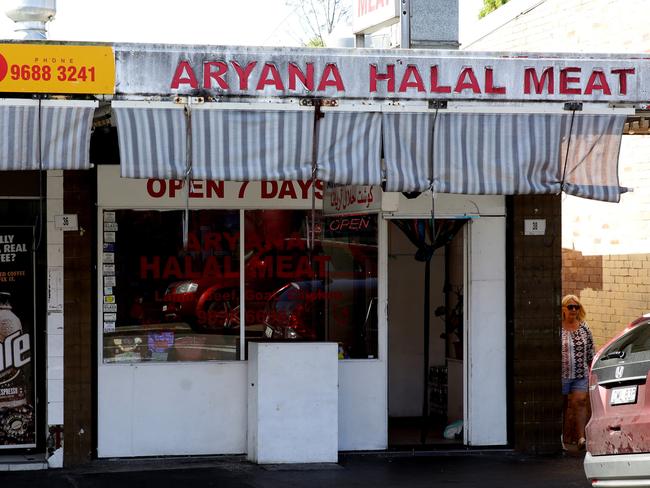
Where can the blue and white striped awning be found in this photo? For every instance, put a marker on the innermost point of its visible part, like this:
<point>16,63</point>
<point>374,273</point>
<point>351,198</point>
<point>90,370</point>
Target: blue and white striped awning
<point>349,147</point>
<point>504,153</point>
<point>152,139</point>
<point>481,152</point>
<point>236,143</point>
<point>232,142</point>
<point>239,142</point>
<point>61,126</point>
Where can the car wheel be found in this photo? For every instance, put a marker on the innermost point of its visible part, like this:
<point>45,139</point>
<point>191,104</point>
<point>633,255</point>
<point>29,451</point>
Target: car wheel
<point>222,315</point>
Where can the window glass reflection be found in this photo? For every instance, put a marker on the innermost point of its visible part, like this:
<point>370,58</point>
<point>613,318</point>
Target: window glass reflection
<point>163,302</point>
<point>326,292</point>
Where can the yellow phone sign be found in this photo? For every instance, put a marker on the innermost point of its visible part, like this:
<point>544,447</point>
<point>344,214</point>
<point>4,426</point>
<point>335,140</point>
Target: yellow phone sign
<point>56,68</point>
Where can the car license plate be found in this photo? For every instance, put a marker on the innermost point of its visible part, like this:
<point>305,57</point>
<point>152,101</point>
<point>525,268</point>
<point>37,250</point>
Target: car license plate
<point>624,395</point>
<point>268,332</point>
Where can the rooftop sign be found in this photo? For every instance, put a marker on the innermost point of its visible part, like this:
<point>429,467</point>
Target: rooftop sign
<point>371,15</point>
<point>379,74</point>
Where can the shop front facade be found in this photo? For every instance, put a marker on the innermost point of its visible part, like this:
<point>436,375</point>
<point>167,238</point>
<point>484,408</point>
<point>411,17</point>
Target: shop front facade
<point>356,198</point>
<point>172,324</point>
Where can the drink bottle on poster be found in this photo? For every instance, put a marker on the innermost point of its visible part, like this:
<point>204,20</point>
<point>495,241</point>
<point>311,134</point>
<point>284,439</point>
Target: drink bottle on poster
<point>12,384</point>
<point>17,426</point>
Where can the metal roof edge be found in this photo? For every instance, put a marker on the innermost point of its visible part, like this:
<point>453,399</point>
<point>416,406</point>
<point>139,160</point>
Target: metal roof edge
<point>365,52</point>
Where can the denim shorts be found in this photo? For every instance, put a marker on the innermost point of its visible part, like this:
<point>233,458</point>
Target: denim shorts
<point>570,385</point>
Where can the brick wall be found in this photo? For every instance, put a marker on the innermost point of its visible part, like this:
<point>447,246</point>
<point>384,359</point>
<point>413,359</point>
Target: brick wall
<point>79,188</point>
<point>613,289</point>
<point>536,372</point>
<point>605,260</point>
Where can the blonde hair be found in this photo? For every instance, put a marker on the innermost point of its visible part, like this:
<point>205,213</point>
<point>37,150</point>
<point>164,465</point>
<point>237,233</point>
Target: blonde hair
<point>582,313</point>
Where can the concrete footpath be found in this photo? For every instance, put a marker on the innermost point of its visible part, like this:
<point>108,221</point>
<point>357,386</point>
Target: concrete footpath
<point>491,469</point>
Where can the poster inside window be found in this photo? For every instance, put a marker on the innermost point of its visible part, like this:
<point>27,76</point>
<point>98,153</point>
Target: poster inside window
<point>17,320</point>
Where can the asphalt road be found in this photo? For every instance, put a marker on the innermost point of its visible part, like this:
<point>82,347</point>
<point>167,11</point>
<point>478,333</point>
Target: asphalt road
<point>373,470</point>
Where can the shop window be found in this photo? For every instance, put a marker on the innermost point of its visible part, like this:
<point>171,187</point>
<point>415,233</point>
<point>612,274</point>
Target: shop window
<point>163,301</point>
<point>166,302</point>
<point>323,292</point>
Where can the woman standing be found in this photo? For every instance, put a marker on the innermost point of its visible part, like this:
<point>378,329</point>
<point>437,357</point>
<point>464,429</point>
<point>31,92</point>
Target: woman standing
<point>577,354</point>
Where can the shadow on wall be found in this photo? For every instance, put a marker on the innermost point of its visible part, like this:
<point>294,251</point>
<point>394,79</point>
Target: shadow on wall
<point>581,272</point>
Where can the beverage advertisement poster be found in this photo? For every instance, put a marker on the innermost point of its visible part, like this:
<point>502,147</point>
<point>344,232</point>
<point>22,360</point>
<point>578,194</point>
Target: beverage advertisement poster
<point>17,300</point>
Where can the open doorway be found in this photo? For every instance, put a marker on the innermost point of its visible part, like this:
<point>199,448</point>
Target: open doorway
<point>425,384</point>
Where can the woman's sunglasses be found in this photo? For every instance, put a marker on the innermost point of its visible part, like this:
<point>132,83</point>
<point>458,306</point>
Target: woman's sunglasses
<point>573,307</point>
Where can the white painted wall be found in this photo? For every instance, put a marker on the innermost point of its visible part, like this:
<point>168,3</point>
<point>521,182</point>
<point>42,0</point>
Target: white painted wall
<point>362,405</point>
<point>54,367</point>
<point>486,405</point>
<point>293,402</point>
<point>602,228</point>
<point>449,206</point>
<point>172,409</point>
<point>576,26</point>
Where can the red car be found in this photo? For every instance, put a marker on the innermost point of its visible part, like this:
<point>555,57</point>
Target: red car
<point>213,305</point>
<point>618,434</point>
<point>206,304</point>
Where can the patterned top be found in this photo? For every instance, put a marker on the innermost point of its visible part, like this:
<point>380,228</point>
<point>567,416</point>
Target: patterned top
<point>577,352</point>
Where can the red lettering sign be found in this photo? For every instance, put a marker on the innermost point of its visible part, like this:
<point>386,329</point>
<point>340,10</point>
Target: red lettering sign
<point>270,77</point>
<point>598,81</point>
<point>365,7</point>
<point>278,78</point>
<point>331,77</point>
<point>622,78</point>
<point>566,80</point>
<point>243,73</point>
<point>184,74</point>
<point>296,74</point>
<point>282,190</point>
<point>530,77</point>
<point>435,88</point>
<point>407,82</point>
<point>467,81</point>
<point>172,188</point>
<point>215,71</point>
<point>389,76</point>
<point>489,83</point>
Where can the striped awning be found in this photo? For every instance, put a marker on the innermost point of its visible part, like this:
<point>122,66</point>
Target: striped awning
<point>504,153</point>
<point>349,147</point>
<point>488,152</point>
<point>45,134</point>
<point>152,139</point>
<point>234,143</point>
<point>227,141</point>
